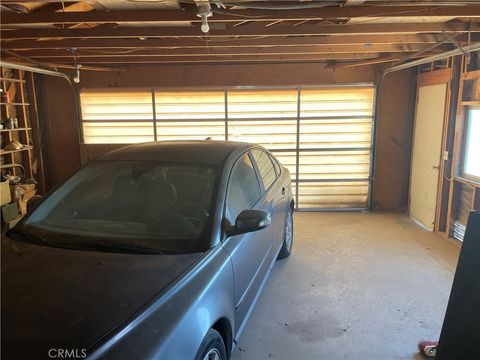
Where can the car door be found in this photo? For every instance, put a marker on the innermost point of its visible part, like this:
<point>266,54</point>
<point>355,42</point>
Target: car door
<point>274,194</point>
<point>250,252</point>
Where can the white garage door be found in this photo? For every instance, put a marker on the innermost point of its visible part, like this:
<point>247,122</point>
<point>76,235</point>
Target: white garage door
<point>322,134</point>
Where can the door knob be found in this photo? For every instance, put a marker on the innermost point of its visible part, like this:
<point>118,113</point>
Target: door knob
<point>436,167</point>
<point>283,190</point>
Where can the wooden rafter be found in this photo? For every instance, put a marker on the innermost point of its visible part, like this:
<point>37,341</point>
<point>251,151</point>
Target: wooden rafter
<point>253,30</point>
<point>233,51</point>
<point>169,16</point>
<point>193,43</point>
<point>171,58</point>
<point>223,58</point>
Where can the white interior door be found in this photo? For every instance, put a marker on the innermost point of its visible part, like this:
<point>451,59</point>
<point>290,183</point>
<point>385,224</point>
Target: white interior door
<point>427,145</point>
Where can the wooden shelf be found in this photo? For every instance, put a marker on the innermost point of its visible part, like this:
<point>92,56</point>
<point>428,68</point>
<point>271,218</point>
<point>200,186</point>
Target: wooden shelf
<point>471,103</point>
<point>22,105</point>
<point>8,166</point>
<point>12,80</point>
<point>17,129</point>
<point>25,148</point>
<point>15,103</point>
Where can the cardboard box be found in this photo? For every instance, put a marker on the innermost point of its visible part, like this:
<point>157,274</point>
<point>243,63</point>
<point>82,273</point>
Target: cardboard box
<point>9,212</point>
<point>6,196</point>
<point>21,193</point>
<point>22,204</point>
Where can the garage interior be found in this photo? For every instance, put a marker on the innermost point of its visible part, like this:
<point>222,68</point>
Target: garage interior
<point>373,106</point>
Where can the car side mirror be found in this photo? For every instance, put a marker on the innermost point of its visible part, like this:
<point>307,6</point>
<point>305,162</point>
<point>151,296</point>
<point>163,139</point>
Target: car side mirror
<point>33,203</point>
<point>249,221</point>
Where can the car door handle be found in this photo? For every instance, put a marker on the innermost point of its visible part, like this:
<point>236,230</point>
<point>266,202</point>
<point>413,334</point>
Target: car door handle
<point>283,190</point>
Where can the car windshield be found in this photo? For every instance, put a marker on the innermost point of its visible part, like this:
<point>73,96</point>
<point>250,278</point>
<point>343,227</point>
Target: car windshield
<point>128,205</point>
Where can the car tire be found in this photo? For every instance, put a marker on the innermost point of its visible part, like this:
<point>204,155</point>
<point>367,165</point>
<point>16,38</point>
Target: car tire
<point>212,347</point>
<point>287,244</point>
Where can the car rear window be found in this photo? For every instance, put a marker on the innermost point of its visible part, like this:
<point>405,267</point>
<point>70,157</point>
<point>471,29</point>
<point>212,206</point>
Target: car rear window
<point>265,166</point>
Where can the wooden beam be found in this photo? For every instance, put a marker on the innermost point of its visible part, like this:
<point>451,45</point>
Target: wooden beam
<point>254,30</point>
<point>147,59</point>
<point>5,2</point>
<point>171,16</point>
<point>209,52</point>
<point>192,43</point>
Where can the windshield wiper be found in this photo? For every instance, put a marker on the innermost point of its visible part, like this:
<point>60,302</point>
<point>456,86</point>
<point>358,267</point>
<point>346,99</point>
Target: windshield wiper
<point>22,235</point>
<point>123,248</point>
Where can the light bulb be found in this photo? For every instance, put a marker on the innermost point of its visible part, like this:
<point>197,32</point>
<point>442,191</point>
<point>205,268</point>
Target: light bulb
<point>205,28</point>
<point>76,78</point>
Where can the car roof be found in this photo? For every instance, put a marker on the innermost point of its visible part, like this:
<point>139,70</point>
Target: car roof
<point>195,151</point>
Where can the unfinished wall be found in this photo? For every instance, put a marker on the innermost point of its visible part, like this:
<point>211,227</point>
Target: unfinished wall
<point>394,123</point>
<point>394,139</point>
<point>59,130</point>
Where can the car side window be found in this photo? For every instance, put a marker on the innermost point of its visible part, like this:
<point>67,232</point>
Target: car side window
<point>265,166</point>
<point>243,188</point>
<point>278,170</point>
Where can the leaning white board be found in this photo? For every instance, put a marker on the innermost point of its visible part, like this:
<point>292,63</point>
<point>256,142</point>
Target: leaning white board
<point>427,145</point>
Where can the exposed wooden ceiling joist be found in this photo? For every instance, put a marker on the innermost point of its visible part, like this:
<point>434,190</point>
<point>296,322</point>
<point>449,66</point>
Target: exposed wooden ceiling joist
<point>306,50</point>
<point>171,43</point>
<point>253,30</point>
<point>134,59</point>
<point>169,16</point>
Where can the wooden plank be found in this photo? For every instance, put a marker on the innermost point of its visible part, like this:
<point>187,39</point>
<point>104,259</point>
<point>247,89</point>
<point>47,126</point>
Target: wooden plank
<point>471,75</point>
<point>25,148</point>
<point>439,212</point>
<point>24,122</point>
<point>35,124</point>
<point>253,30</point>
<point>6,79</point>
<point>435,77</point>
<point>155,59</point>
<point>6,113</point>
<point>172,16</point>
<point>456,158</point>
<point>199,42</point>
<point>208,52</point>
<point>380,60</point>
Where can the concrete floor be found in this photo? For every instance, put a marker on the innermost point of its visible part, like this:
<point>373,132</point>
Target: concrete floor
<point>357,286</point>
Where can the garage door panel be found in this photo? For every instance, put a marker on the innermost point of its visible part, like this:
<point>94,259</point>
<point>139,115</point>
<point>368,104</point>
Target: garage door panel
<point>330,195</point>
<point>104,106</point>
<point>340,94</point>
<point>323,133</point>
<point>197,130</point>
<point>195,105</point>
<point>262,104</point>
<point>343,133</point>
<point>117,132</point>
<point>273,134</point>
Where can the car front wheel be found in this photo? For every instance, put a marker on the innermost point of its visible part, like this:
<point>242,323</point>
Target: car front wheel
<point>288,237</point>
<point>212,347</point>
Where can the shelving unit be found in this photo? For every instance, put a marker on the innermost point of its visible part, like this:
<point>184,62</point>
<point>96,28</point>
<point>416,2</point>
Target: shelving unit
<point>25,148</point>
<point>21,105</point>
<point>18,129</point>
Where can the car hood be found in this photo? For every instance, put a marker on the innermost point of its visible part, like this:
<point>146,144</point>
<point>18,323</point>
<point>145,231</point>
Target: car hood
<point>54,298</point>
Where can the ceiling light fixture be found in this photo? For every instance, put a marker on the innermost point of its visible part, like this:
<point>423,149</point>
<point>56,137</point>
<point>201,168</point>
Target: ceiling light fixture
<point>76,78</point>
<point>204,12</point>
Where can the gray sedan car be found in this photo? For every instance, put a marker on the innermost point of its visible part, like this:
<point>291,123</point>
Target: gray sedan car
<point>153,251</point>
